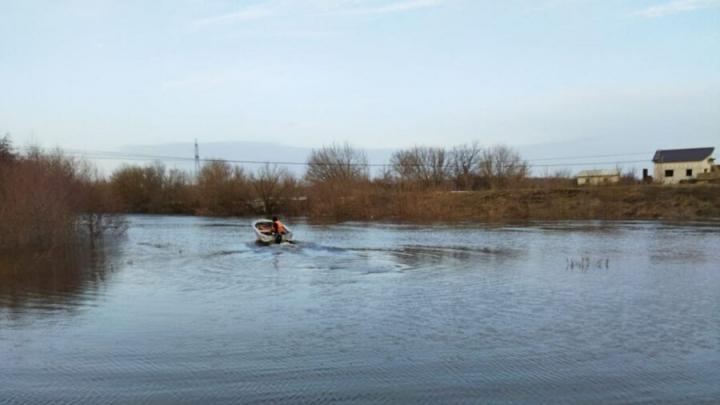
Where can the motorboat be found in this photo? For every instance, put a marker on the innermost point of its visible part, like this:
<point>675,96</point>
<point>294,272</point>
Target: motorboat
<point>264,232</point>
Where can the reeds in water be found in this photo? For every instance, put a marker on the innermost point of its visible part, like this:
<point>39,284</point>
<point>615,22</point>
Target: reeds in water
<point>585,263</point>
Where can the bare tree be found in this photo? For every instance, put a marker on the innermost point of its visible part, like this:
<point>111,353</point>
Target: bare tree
<point>627,176</point>
<point>97,211</point>
<point>427,166</point>
<point>7,157</point>
<point>337,163</point>
<point>178,194</point>
<point>6,151</point>
<point>139,188</point>
<point>271,185</point>
<point>465,165</point>
<point>386,177</point>
<point>502,166</point>
<point>223,188</point>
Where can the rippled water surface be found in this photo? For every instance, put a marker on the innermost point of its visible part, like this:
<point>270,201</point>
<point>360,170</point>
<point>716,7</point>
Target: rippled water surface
<point>192,310</point>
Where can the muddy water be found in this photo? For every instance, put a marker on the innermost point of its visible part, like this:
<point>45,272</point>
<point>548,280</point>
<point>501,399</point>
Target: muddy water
<point>190,310</point>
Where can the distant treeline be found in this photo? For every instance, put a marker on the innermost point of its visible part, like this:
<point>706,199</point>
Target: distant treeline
<point>336,184</point>
<point>48,199</point>
<point>333,175</point>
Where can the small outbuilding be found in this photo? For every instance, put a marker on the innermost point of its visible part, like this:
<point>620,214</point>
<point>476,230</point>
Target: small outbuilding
<point>675,165</point>
<point>598,177</point>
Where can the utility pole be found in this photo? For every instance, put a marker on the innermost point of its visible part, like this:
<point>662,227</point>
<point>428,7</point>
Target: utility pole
<point>197,159</point>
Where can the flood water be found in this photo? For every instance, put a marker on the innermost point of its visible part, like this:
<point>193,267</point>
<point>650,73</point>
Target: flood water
<point>191,310</point>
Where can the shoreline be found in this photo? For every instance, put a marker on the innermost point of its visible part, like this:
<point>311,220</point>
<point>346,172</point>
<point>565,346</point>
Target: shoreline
<point>626,202</point>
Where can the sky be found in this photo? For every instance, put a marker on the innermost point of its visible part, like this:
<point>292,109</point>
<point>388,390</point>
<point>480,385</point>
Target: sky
<point>101,75</point>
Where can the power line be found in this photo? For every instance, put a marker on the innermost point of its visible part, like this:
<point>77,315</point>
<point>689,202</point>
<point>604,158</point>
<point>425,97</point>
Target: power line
<point>114,155</point>
<point>281,163</point>
<point>591,157</point>
<point>616,162</point>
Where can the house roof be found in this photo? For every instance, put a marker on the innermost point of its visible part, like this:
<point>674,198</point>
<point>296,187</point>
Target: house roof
<point>598,173</point>
<point>682,155</point>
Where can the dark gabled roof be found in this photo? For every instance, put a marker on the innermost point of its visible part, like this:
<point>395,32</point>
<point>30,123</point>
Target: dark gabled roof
<point>682,155</point>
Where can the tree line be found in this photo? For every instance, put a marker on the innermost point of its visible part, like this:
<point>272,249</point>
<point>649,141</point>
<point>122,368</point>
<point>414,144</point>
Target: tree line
<point>222,188</point>
<point>50,199</point>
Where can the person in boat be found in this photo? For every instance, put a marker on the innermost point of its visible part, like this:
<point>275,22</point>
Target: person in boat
<point>277,227</point>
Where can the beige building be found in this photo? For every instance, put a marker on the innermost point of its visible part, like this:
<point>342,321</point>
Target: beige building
<point>675,165</point>
<point>598,177</point>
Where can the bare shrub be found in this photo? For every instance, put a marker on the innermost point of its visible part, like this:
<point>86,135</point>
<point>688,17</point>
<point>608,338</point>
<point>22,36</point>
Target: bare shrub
<point>223,189</point>
<point>502,166</point>
<point>179,194</point>
<point>337,163</point>
<point>97,211</point>
<point>43,200</point>
<point>628,176</point>
<point>6,152</point>
<point>40,202</point>
<point>7,158</point>
<point>561,178</point>
<point>139,189</point>
<point>421,165</point>
<point>334,173</point>
<point>357,202</point>
<point>465,165</point>
<point>272,186</point>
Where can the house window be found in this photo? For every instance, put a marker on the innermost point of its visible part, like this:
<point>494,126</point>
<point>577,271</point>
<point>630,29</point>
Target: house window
<point>688,172</point>
<point>669,173</point>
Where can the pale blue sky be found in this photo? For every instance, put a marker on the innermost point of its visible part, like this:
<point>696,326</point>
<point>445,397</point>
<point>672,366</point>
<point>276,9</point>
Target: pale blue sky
<point>378,73</point>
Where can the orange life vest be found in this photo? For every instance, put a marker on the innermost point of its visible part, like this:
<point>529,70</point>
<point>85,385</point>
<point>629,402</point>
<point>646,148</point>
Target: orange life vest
<point>279,227</point>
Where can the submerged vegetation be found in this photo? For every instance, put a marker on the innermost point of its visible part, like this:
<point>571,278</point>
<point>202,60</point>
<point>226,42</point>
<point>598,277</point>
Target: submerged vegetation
<point>49,200</point>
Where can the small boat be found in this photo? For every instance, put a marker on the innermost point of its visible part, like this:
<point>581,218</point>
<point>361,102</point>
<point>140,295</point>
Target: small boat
<point>263,232</point>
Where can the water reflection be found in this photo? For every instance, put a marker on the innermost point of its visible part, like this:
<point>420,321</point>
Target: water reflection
<point>32,284</point>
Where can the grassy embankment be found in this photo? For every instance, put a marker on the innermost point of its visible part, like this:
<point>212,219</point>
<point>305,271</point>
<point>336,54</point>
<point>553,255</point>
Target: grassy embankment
<point>686,202</point>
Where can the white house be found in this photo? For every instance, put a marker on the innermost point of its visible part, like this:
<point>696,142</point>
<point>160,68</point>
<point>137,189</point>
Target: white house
<point>597,177</point>
<point>675,165</point>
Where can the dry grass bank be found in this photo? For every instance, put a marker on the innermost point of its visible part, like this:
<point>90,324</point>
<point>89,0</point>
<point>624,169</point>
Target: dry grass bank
<point>618,202</point>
